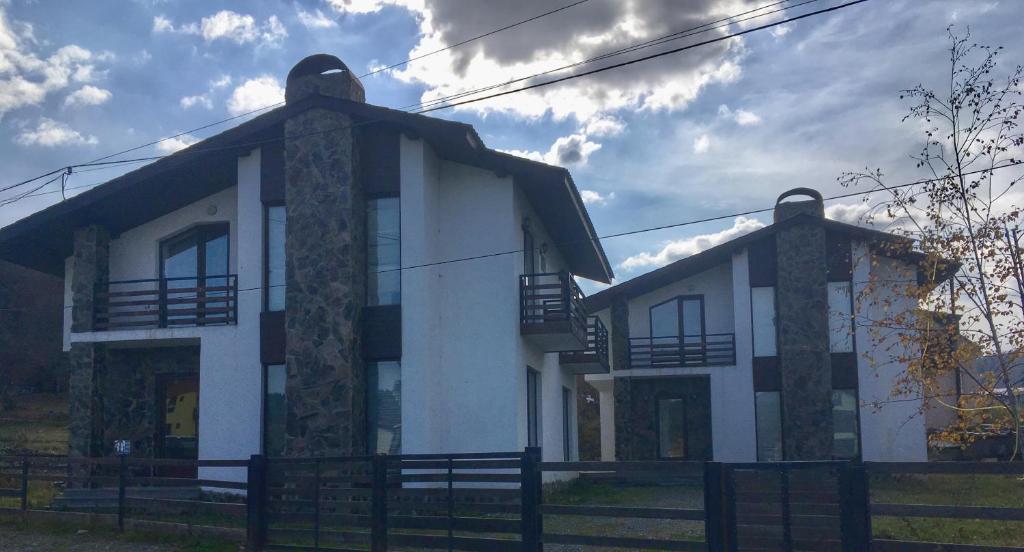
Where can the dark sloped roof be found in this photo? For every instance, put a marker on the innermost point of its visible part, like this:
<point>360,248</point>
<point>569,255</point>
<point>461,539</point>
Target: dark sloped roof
<point>44,239</point>
<point>695,264</point>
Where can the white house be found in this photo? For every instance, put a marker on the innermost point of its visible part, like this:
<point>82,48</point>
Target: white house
<point>753,350</point>
<point>329,278</point>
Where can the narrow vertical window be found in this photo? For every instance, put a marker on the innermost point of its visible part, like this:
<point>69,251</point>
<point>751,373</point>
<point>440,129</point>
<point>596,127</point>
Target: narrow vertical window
<point>840,317</point>
<point>532,408</point>
<point>762,307</point>
<point>384,416</point>
<point>275,409</point>
<point>567,410</point>
<point>846,438</point>
<point>671,428</point>
<point>529,254</point>
<point>384,251</point>
<point>275,280</point>
<point>768,405</point>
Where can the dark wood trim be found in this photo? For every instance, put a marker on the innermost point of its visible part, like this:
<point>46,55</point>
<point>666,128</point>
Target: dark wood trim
<point>272,173</point>
<point>767,376</point>
<point>382,332</point>
<point>273,337</point>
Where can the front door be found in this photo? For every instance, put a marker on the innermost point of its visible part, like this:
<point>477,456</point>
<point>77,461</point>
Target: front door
<point>178,421</point>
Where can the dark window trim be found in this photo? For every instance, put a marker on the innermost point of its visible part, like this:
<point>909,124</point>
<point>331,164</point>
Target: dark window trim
<point>533,436</point>
<point>266,251</point>
<point>567,403</point>
<point>529,246</point>
<point>686,424</point>
<point>679,315</point>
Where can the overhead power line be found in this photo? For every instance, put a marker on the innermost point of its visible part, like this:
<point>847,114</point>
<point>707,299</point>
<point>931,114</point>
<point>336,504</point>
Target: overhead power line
<point>673,36</point>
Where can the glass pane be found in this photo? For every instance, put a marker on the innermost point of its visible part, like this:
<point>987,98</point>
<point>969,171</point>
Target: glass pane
<point>665,320</point>
<point>769,426</point>
<point>762,304</point>
<point>275,411</point>
<point>385,410</point>
<point>529,264</point>
<point>844,418</point>
<point>671,428</point>
<point>532,409</point>
<point>276,226</point>
<point>384,250</point>
<point>181,419</point>
<point>216,257</point>
<point>840,317</point>
<point>693,323</point>
<point>181,257</point>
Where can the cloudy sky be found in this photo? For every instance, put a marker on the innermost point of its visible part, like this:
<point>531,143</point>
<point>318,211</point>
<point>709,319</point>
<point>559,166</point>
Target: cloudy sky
<point>718,129</point>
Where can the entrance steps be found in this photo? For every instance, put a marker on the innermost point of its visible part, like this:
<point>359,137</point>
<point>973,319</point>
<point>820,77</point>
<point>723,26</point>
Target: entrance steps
<point>106,498</point>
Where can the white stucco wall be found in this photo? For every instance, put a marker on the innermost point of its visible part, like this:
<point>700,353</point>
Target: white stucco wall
<point>891,430</point>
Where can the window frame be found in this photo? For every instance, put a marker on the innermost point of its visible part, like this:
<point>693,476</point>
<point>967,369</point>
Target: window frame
<point>567,424</point>
<point>370,275</point>
<point>856,417</point>
<point>203,231</point>
<point>371,428</point>
<point>266,254</point>
<point>782,429</point>
<point>657,424</point>
<point>533,391</point>
<point>679,299</point>
<point>263,406</point>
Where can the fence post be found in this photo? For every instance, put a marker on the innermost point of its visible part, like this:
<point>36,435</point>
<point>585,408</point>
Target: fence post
<point>716,519</point>
<point>24,483</point>
<point>255,501</point>
<point>854,507</point>
<point>122,476</point>
<point>379,506</point>
<point>530,489</point>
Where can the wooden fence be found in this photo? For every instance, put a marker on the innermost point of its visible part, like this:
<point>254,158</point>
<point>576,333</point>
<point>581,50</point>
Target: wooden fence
<point>499,502</point>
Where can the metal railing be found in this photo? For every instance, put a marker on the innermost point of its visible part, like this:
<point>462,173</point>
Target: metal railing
<point>166,302</point>
<point>682,352</point>
<point>551,302</point>
<point>597,346</point>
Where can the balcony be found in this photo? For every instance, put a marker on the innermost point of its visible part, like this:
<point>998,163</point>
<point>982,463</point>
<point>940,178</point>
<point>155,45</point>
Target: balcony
<point>166,303</point>
<point>551,312</point>
<point>682,352</point>
<point>593,359</point>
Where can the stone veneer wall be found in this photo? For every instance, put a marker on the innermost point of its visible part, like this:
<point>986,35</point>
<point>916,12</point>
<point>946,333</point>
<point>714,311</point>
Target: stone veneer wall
<point>803,342</point>
<point>620,391</point>
<point>326,286</point>
<point>91,265</point>
<point>643,413</point>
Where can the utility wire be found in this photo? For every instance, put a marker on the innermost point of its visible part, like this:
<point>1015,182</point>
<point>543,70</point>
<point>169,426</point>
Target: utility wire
<point>603,56</point>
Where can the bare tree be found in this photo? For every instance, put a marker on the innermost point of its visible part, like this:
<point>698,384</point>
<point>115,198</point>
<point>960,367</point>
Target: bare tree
<point>964,222</point>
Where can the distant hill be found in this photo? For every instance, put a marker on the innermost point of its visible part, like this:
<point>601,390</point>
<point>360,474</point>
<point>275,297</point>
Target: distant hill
<point>31,321</point>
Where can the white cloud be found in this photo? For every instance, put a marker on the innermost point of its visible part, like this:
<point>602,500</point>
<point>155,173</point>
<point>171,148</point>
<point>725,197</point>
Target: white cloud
<point>701,144</point>
<point>228,25</point>
<point>781,30</point>
<point>679,249</point>
<point>88,95</point>
<point>27,76</point>
<point>172,145</point>
<point>51,133</point>
<point>591,197</point>
<point>202,100</point>
<point>223,82</point>
<point>604,125</point>
<point>315,19</point>
<point>255,94</point>
<point>574,149</point>
<point>741,117</point>
<point>360,6</point>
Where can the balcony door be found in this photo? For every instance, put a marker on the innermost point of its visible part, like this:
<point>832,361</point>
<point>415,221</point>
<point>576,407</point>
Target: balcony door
<point>191,262</point>
<point>679,321</point>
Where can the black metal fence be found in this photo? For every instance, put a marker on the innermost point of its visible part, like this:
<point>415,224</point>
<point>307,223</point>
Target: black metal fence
<point>513,501</point>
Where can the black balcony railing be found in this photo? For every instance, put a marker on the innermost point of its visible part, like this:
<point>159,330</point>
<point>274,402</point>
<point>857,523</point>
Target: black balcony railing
<point>166,303</point>
<point>552,303</point>
<point>682,352</point>
<point>593,359</point>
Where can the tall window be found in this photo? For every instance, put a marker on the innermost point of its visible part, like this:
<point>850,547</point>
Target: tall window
<point>275,236</point>
<point>671,428</point>
<point>195,258</point>
<point>275,409</point>
<point>384,418</point>
<point>846,438</point>
<point>529,253</point>
<point>762,312</point>
<point>567,410</point>
<point>384,251</point>
<point>769,425</point>
<point>532,408</point>
<point>678,320</point>
<point>840,317</point>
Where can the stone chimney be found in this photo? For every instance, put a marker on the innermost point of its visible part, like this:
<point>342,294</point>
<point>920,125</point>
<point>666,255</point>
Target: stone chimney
<point>325,265</point>
<point>326,75</point>
<point>814,206</point>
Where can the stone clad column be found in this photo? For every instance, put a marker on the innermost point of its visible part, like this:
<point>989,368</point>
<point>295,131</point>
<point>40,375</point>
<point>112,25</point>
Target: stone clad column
<point>325,271</point>
<point>621,391</point>
<point>90,266</point>
<point>803,347</point>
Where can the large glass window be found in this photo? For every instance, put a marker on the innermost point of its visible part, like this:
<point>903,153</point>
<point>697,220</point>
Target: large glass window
<point>191,261</point>
<point>840,317</point>
<point>567,410</point>
<point>845,439</point>
<point>769,425</point>
<point>275,409</point>
<point>275,281</point>
<point>762,307</point>
<point>532,408</point>
<point>384,251</point>
<point>671,428</point>
<point>385,407</point>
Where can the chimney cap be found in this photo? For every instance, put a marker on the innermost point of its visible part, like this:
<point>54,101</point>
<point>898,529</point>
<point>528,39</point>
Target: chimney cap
<point>316,64</point>
<point>323,74</point>
<point>814,206</point>
<point>810,192</point>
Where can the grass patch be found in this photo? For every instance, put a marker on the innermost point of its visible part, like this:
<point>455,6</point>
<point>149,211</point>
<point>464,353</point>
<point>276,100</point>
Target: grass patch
<point>62,529</point>
<point>36,424</point>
